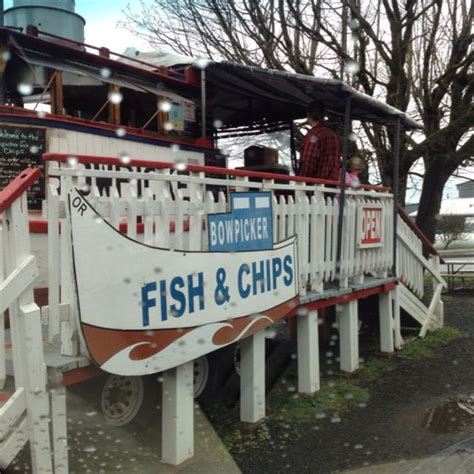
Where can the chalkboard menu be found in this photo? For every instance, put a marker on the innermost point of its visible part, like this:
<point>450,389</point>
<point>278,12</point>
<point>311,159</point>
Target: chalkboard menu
<point>21,148</point>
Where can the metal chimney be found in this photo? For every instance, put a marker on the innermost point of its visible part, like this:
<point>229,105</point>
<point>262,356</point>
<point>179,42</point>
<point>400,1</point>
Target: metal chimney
<point>57,17</point>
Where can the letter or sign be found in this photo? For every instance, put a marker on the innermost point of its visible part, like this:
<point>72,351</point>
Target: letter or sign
<point>369,226</point>
<point>144,309</point>
<point>248,226</point>
<point>20,148</point>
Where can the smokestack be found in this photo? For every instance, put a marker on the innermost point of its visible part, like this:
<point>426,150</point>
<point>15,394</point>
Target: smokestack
<point>57,17</point>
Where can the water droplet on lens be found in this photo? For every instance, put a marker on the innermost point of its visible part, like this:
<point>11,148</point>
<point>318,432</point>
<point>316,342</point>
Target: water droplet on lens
<point>115,97</point>
<point>25,88</point>
<point>120,132</point>
<point>352,67</point>
<point>180,165</point>
<point>72,161</point>
<point>165,106</point>
<point>201,63</point>
<point>105,72</point>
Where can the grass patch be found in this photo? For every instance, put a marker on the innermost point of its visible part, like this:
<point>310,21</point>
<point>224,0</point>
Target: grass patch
<point>241,441</point>
<point>374,369</point>
<point>424,348</point>
<point>333,398</point>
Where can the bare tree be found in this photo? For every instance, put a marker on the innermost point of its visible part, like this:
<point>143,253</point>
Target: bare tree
<point>416,54</point>
<point>450,229</point>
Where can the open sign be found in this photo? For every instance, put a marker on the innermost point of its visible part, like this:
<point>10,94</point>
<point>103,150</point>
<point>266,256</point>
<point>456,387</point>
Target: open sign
<point>369,226</point>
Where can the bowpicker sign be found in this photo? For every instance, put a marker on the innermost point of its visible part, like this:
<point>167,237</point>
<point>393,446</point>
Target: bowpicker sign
<point>145,309</point>
<point>369,226</point>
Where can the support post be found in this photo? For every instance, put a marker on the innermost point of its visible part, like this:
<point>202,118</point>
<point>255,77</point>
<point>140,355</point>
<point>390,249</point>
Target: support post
<point>349,337</point>
<point>308,352</point>
<point>342,196</point>
<point>178,414</point>
<point>59,422</point>
<point>114,107</point>
<point>57,101</point>
<point>252,378</point>
<point>439,309</point>
<point>386,322</point>
<point>398,340</point>
<point>203,102</point>
<point>395,190</point>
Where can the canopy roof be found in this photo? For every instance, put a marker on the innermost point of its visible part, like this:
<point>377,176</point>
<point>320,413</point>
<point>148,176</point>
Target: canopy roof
<point>270,96</point>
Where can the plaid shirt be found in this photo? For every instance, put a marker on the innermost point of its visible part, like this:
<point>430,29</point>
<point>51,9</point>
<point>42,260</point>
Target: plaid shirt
<point>320,154</point>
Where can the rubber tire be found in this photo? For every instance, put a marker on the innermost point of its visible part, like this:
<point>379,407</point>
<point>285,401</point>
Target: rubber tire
<point>139,410</point>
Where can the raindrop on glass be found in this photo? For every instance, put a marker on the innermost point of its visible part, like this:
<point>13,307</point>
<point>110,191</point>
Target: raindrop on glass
<point>165,106</point>
<point>180,165</point>
<point>201,63</point>
<point>115,97</point>
<point>125,159</point>
<point>352,67</point>
<point>120,132</point>
<point>72,161</point>
<point>354,23</point>
<point>105,72</point>
<point>25,88</point>
<point>34,149</point>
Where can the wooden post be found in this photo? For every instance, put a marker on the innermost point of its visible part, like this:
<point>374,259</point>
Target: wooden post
<point>398,340</point>
<point>114,108</point>
<point>308,352</point>
<point>349,337</point>
<point>178,414</point>
<point>59,422</point>
<point>386,322</point>
<point>57,100</point>
<point>439,309</point>
<point>252,378</point>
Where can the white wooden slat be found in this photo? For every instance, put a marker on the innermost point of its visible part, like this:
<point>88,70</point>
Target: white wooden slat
<point>37,402</point>
<point>13,409</point>
<point>148,217</point>
<point>196,194</point>
<point>54,259</point>
<point>431,310</point>
<point>18,281</point>
<point>11,446</point>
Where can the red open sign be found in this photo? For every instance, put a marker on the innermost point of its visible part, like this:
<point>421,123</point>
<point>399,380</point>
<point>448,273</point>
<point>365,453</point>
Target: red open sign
<point>370,226</point>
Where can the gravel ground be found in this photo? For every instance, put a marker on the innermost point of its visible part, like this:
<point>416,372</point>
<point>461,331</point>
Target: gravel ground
<point>412,414</point>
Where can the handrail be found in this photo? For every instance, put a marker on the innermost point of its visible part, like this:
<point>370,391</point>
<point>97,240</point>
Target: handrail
<point>111,161</point>
<point>426,243</point>
<point>17,187</point>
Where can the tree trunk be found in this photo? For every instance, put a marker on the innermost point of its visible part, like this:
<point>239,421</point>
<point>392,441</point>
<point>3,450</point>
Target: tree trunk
<point>431,196</point>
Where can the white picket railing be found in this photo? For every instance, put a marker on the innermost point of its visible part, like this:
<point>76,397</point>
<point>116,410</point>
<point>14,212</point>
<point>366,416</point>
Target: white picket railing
<point>412,266</point>
<point>25,414</point>
<point>171,208</point>
<point>164,207</point>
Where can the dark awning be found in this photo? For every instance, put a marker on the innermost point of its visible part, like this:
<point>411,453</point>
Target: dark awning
<point>235,91</point>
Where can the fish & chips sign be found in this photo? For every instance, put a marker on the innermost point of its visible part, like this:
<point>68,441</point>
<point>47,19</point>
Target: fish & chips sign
<point>145,309</point>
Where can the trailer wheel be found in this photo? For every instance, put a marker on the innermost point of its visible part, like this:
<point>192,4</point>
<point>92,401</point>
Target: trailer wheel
<point>122,398</point>
<point>201,375</point>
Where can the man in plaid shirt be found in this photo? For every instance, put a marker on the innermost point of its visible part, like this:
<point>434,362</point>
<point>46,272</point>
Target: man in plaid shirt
<point>320,152</point>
